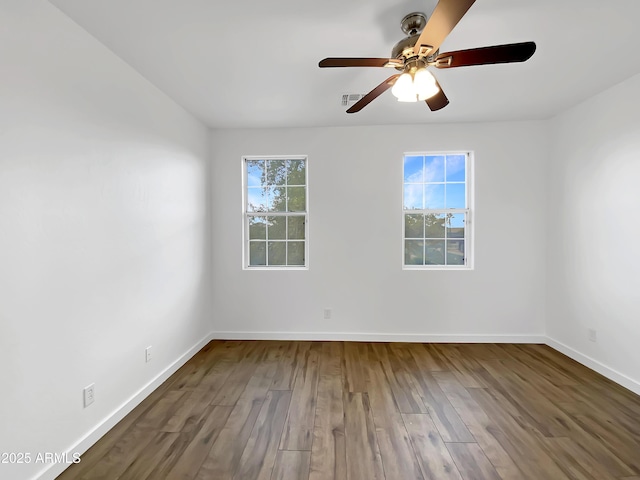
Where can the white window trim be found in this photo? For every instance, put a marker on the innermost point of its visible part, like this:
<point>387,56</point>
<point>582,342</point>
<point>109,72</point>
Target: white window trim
<point>469,234</point>
<point>245,216</point>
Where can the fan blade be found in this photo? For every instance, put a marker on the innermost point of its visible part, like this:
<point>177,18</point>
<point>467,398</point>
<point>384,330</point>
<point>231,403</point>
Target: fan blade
<point>360,62</point>
<point>511,53</point>
<point>373,94</point>
<point>438,101</point>
<point>445,16</point>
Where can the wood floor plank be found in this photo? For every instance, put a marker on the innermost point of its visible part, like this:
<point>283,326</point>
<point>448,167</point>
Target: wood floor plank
<point>589,401</point>
<point>448,421</point>
<point>363,452</point>
<point>154,453</point>
<point>159,414</point>
<point>525,400</point>
<point>238,378</point>
<point>485,431</point>
<point>399,372</point>
<point>613,448</point>
<point>224,457</point>
<point>328,453</point>
<point>121,456</point>
<point>574,461</point>
<point>259,455</point>
<point>524,355</point>
<point>398,459</point>
<point>423,356</point>
<point>298,429</point>
<point>464,368</point>
<point>354,377</point>
<point>523,446</point>
<point>291,465</point>
<point>187,412</point>
<point>435,460</point>
<point>533,408</point>
<point>287,369</point>
<point>331,354</point>
<point>244,410</point>
<point>195,453</point>
<point>471,461</point>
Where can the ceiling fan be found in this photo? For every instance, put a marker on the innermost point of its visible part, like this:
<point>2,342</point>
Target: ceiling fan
<point>420,49</point>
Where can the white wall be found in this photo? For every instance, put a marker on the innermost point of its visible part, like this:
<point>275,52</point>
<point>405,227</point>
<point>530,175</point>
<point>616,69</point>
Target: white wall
<point>355,191</point>
<point>104,232</point>
<point>594,261</point>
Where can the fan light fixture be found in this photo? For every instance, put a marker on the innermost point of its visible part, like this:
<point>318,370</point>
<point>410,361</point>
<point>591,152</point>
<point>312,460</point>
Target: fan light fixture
<point>419,86</point>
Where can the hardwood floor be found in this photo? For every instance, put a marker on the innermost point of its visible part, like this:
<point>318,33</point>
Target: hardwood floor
<point>368,411</point>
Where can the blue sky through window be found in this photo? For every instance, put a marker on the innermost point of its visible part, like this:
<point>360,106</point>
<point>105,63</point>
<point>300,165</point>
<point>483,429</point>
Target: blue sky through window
<point>434,181</point>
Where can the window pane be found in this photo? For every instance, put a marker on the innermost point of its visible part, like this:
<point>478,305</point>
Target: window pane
<point>276,227</point>
<point>434,196</point>
<point>434,225</point>
<point>296,199</point>
<point>257,228</point>
<point>256,199</point>
<point>412,197</point>
<point>434,252</point>
<point>257,253</point>
<point>455,252</point>
<point>255,173</point>
<point>296,172</point>
<point>276,172</point>
<point>455,195</point>
<point>277,253</point>
<point>455,225</point>
<point>295,253</point>
<point>413,169</point>
<point>434,168</point>
<point>456,168</point>
<point>413,252</point>
<point>295,227</point>
<point>414,226</point>
<point>277,199</point>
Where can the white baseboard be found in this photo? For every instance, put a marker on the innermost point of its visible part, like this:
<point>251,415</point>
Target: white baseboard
<point>379,337</point>
<point>602,369</point>
<point>111,420</point>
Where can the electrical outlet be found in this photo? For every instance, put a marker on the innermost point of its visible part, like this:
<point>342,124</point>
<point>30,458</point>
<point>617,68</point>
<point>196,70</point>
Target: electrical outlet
<point>147,354</point>
<point>593,335</point>
<point>89,394</point>
<point>327,313</point>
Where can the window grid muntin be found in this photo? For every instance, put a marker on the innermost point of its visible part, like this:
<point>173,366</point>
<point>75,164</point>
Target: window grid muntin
<point>265,185</point>
<point>437,211</point>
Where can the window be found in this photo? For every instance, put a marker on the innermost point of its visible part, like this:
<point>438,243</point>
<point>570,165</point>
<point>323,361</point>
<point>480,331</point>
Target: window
<point>436,211</point>
<point>275,212</point>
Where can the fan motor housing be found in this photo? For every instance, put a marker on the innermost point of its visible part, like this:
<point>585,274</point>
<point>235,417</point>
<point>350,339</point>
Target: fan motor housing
<point>404,45</point>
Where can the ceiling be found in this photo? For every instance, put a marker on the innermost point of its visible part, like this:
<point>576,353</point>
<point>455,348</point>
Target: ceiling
<point>254,63</point>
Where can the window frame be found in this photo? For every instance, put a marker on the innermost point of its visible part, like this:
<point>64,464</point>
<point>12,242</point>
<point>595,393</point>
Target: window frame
<point>468,211</point>
<point>246,214</point>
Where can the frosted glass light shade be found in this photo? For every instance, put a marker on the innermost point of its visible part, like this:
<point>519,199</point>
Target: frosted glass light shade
<point>424,84</point>
<point>403,89</point>
<point>421,86</point>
